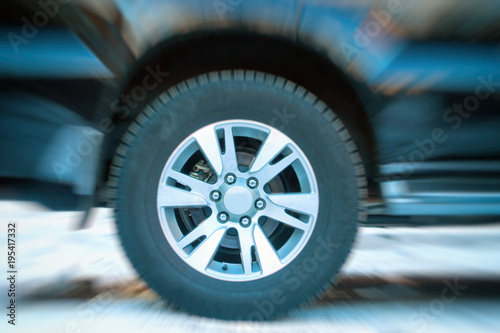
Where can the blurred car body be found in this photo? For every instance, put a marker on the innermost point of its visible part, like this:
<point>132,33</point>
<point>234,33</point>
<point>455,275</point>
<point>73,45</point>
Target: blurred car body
<point>416,71</point>
<point>416,84</point>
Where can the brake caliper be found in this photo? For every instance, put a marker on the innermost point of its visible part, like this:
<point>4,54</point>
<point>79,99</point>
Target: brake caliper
<point>201,171</point>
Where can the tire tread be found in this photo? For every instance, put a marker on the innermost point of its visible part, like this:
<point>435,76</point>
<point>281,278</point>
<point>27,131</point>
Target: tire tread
<point>117,165</point>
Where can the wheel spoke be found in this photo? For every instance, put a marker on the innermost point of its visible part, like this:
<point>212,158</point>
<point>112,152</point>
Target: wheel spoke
<point>205,228</point>
<point>173,197</point>
<point>306,203</point>
<point>229,159</point>
<point>272,146</point>
<point>203,246</point>
<point>209,144</point>
<point>246,244</point>
<point>278,213</point>
<point>197,186</point>
<point>268,171</point>
<point>205,252</point>
<point>268,258</point>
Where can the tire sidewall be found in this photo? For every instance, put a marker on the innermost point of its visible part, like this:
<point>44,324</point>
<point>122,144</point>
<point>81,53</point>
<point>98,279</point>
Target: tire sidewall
<point>171,121</point>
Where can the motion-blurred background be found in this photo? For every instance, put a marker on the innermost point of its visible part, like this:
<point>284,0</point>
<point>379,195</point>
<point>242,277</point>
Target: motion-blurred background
<point>418,85</point>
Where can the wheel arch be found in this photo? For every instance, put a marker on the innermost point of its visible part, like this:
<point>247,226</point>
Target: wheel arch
<point>185,56</point>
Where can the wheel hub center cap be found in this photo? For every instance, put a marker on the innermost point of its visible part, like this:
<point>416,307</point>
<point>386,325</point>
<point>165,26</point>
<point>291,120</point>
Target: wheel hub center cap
<point>238,200</point>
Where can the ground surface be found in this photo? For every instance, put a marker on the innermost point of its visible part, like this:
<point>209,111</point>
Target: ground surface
<point>396,280</point>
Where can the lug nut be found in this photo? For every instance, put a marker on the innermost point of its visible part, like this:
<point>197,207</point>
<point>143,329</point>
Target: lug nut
<point>260,204</point>
<point>245,221</point>
<point>223,217</point>
<point>230,178</point>
<point>252,182</point>
<point>215,195</point>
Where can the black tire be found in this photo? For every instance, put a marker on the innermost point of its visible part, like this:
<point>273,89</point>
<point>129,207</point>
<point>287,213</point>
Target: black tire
<point>260,97</point>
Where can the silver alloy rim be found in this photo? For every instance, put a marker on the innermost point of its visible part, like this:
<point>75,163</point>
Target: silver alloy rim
<point>237,200</point>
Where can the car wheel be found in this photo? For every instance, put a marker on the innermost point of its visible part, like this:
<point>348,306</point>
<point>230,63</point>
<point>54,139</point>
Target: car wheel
<point>237,195</point>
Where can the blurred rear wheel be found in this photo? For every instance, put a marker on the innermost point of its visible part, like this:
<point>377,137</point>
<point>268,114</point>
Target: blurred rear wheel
<point>237,195</point>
